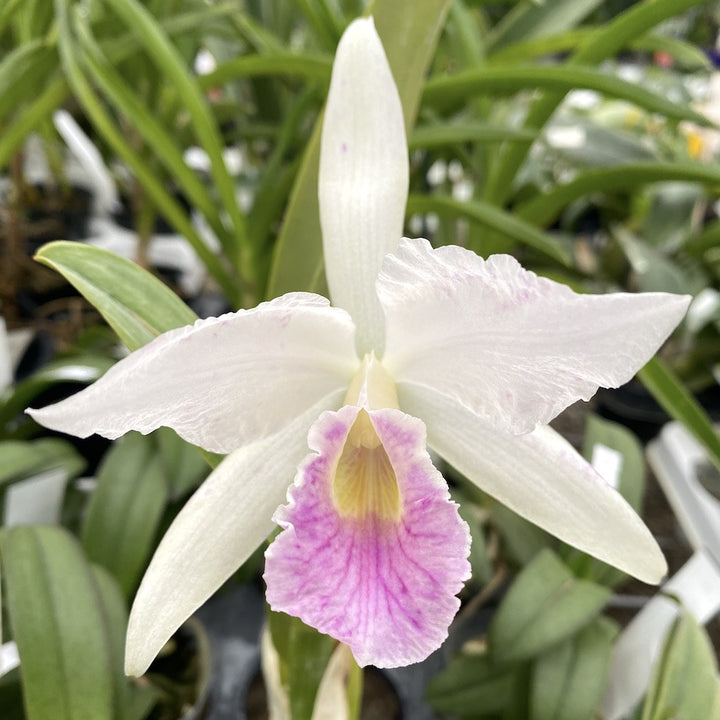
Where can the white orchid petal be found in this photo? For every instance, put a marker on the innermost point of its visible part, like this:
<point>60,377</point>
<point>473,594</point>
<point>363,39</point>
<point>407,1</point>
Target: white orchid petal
<point>542,478</point>
<point>217,530</point>
<point>221,382</point>
<point>363,181</point>
<point>514,347</point>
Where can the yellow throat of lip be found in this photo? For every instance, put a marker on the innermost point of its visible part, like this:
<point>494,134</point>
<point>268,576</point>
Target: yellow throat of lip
<point>364,483</point>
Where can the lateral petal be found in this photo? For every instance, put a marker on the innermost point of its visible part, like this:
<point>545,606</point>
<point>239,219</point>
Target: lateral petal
<point>514,347</point>
<point>222,382</point>
<point>363,182</point>
<point>383,584</point>
<point>541,477</point>
<point>218,529</point>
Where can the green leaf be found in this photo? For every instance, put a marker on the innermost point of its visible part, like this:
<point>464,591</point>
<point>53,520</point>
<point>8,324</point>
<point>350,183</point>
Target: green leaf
<point>616,437</point>
<point>21,72</point>
<point>125,509</point>
<point>471,686</point>
<point>303,654</point>
<point>431,136</point>
<point>158,138</point>
<point>684,53</point>
<point>706,240</point>
<point>680,404</point>
<point>156,43</point>
<point>652,270</point>
<point>409,30</point>
<point>39,110</point>
<point>309,67</point>
<point>107,127</point>
<point>601,146</point>
<point>58,625</point>
<point>78,369</point>
<point>545,207</point>
<point>20,460</point>
<point>544,606</point>
<point>685,681</point>
<point>471,513</point>
<point>494,218</point>
<point>454,89</point>
<point>184,467</point>
<point>568,681</point>
<point>132,700</point>
<point>135,304</point>
<point>531,20</point>
<point>631,485</point>
<point>521,539</point>
<point>635,22</point>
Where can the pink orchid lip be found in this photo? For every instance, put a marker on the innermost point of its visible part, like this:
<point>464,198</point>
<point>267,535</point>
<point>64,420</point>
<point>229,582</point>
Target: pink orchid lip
<point>377,568</point>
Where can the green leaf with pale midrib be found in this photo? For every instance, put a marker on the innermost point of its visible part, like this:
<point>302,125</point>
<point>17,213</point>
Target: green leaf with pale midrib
<point>125,510</point>
<point>684,683</point>
<point>568,681</point>
<point>136,305</point>
<point>58,626</point>
<point>544,606</point>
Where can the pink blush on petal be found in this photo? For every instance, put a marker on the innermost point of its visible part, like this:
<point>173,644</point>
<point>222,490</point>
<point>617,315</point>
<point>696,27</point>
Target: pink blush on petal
<point>386,588</point>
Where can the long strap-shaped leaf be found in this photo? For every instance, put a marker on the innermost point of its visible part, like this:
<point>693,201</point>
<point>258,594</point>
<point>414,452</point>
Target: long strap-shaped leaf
<point>683,52</point>
<point>544,208</point>
<point>456,88</point>
<point>15,134</point>
<point>55,88</point>
<point>675,399</point>
<point>58,625</point>
<point>409,30</point>
<point>157,138</point>
<point>632,23</point>
<point>492,217</point>
<point>158,46</point>
<point>134,303</point>
<point>311,67</point>
<point>115,137</point>
<point>443,134</point>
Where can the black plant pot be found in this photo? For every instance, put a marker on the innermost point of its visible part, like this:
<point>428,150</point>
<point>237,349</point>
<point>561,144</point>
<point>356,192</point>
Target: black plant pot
<point>634,407</point>
<point>57,214</point>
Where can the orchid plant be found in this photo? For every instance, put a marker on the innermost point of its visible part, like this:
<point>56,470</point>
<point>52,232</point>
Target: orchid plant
<point>421,347</point>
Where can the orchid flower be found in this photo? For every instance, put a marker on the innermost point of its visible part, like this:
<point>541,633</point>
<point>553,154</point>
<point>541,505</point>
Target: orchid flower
<point>372,550</point>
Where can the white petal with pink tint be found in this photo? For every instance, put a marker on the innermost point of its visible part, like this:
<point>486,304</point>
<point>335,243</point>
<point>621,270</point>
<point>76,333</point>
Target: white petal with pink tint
<point>385,587</point>
<point>221,382</point>
<point>541,477</point>
<point>514,347</point>
<point>217,530</point>
<point>363,180</point>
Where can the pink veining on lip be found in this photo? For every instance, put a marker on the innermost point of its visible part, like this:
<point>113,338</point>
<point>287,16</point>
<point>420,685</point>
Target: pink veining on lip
<point>385,587</point>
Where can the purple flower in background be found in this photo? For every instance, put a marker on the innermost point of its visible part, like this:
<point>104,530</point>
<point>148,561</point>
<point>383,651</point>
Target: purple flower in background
<point>372,550</point>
